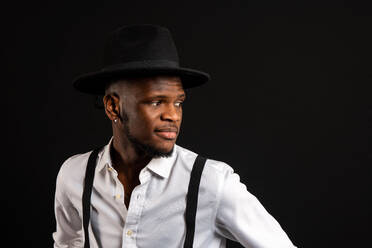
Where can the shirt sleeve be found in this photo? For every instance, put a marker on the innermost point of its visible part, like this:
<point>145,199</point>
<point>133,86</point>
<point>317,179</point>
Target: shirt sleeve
<point>242,218</point>
<point>68,232</point>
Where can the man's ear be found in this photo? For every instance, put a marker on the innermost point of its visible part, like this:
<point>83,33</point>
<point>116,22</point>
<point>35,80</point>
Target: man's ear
<point>112,106</point>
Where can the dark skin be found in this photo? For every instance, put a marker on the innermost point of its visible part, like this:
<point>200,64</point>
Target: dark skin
<point>150,109</point>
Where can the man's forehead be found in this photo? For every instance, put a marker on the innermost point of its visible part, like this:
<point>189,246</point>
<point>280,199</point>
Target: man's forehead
<point>164,84</point>
<point>156,85</point>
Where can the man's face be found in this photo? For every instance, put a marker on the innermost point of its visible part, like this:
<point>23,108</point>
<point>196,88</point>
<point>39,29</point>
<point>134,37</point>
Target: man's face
<point>153,109</point>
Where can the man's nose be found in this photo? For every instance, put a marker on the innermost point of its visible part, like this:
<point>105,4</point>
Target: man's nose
<point>171,113</point>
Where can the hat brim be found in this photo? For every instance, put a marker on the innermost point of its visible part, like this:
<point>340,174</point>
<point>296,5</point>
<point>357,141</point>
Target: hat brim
<point>94,83</point>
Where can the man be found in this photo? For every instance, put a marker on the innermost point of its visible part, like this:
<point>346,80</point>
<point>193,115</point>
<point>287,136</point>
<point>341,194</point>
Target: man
<point>140,181</point>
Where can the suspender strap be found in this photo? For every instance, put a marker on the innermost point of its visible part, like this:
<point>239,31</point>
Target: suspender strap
<point>192,200</point>
<point>88,185</point>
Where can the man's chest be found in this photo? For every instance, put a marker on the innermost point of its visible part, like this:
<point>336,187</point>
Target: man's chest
<point>156,211</point>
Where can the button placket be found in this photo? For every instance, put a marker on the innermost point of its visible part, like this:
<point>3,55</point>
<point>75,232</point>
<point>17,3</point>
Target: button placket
<point>134,212</point>
<point>119,190</point>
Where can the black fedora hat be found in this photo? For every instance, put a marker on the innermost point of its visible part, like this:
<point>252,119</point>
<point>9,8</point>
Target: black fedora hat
<point>139,50</point>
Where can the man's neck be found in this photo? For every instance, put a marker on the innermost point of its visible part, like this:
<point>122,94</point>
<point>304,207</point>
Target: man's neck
<point>128,164</point>
<point>126,158</point>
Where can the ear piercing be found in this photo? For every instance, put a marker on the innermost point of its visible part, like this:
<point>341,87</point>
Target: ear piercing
<point>116,120</point>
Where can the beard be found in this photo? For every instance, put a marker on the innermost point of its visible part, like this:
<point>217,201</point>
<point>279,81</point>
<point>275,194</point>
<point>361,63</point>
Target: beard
<point>146,149</point>
<point>140,147</point>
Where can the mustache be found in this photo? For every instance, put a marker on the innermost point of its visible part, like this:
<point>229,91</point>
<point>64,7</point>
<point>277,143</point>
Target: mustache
<point>167,128</point>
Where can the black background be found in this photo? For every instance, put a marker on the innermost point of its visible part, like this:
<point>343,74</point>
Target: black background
<point>288,105</point>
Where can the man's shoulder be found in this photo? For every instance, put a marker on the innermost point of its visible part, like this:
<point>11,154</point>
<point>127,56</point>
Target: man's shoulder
<point>214,174</point>
<point>73,168</point>
<point>211,164</point>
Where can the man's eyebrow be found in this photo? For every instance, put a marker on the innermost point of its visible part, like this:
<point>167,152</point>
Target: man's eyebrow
<point>164,96</point>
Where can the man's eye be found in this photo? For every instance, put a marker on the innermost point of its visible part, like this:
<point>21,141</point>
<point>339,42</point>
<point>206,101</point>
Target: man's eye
<point>155,103</point>
<point>178,104</point>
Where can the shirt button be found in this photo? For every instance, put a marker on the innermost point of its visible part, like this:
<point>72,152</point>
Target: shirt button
<point>117,196</point>
<point>129,232</point>
<point>138,196</point>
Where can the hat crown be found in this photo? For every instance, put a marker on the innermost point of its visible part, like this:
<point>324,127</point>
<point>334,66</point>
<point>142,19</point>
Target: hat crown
<point>137,51</point>
<point>140,43</point>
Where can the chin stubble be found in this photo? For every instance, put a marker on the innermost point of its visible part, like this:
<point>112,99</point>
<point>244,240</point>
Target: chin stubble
<point>147,150</point>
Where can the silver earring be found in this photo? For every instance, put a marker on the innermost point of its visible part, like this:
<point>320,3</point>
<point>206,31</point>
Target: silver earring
<point>116,120</point>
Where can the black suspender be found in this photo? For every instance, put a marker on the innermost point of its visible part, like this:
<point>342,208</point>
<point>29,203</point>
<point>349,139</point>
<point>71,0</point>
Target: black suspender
<point>191,202</point>
<point>88,185</point>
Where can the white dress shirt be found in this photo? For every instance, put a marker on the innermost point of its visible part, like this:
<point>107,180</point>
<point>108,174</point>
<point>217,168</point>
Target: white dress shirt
<point>155,217</point>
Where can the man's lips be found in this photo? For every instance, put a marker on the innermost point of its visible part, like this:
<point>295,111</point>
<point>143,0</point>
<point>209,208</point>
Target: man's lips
<point>167,133</point>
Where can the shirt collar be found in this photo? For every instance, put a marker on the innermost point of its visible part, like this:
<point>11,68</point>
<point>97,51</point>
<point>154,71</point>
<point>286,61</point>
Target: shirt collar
<point>105,157</point>
<point>163,166</point>
<point>160,166</point>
